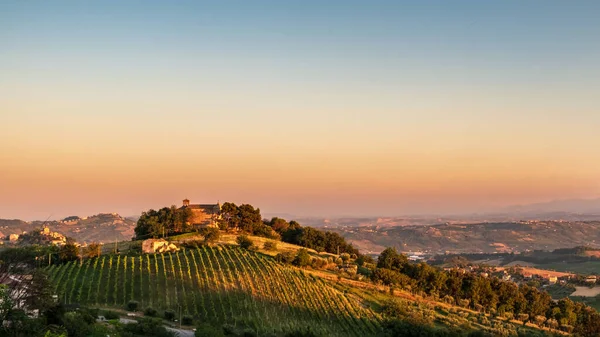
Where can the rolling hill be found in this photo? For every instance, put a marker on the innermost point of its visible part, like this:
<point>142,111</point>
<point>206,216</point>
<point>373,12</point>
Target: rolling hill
<point>229,286</point>
<point>476,237</point>
<point>103,227</point>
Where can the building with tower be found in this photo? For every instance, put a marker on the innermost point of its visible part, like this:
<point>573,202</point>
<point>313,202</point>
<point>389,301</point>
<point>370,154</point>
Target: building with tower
<point>203,215</point>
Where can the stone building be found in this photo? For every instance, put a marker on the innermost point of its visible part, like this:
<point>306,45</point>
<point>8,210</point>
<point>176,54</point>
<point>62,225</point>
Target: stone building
<point>203,215</point>
<point>158,246</point>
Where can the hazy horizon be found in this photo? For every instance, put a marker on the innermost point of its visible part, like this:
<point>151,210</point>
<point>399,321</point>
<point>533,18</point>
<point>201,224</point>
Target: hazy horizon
<point>355,108</point>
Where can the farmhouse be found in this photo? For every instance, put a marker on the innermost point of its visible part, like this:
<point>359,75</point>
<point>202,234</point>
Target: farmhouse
<point>203,215</point>
<point>157,246</point>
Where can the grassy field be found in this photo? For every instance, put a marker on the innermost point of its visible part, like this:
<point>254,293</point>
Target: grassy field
<point>585,268</point>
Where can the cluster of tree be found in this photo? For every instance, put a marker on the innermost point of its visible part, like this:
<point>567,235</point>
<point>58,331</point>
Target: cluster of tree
<point>487,294</point>
<point>248,219</point>
<point>321,241</point>
<point>24,289</point>
<point>164,222</point>
<point>579,250</point>
<point>245,218</point>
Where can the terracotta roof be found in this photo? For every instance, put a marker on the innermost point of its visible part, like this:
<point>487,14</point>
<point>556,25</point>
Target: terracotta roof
<point>205,206</point>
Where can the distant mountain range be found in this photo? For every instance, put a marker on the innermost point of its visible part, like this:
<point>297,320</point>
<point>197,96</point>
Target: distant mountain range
<point>580,206</point>
<point>104,227</point>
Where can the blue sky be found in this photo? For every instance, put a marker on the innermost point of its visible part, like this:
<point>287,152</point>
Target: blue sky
<point>394,89</point>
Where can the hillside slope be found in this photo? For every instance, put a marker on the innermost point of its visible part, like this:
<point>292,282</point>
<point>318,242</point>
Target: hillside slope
<point>222,285</point>
<point>103,227</point>
<point>480,237</point>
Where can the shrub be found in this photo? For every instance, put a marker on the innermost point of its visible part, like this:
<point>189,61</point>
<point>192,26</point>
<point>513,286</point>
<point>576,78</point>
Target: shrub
<point>318,263</point>
<point>301,333</point>
<point>286,257</point>
<point>270,245</point>
<point>192,244</point>
<point>302,258</point>
<point>132,305</point>
<point>249,333</point>
<point>211,235</point>
<point>151,312</point>
<point>170,315</point>
<point>207,330</point>
<point>345,257</point>
<point>111,315</point>
<point>187,320</point>
<point>229,329</point>
<point>244,241</point>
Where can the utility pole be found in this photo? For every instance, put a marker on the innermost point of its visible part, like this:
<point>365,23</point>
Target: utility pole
<point>179,305</point>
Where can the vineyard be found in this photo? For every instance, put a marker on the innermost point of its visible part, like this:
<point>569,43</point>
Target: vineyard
<point>217,285</point>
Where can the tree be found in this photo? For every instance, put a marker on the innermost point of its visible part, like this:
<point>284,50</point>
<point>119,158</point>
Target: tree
<point>94,249</point>
<point>250,218</point>
<point>38,295</point>
<point>230,215</point>
<point>390,259</point>
<point>68,252</point>
<point>211,235</point>
<point>362,259</point>
<point>6,302</point>
<point>165,221</point>
<point>279,225</point>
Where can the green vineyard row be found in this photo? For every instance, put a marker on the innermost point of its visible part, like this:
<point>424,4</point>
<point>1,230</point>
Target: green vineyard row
<point>217,285</point>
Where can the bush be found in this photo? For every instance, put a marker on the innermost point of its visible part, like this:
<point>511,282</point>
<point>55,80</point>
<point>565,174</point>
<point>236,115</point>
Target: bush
<point>249,333</point>
<point>244,242</point>
<point>192,244</point>
<point>187,320</point>
<point>302,258</point>
<point>286,257</point>
<point>132,305</point>
<point>207,330</point>
<point>109,315</point>
<point>318,263</point>
<point>345,257</point>
<point>270,245</point>
<point>301,333</point>
<point>146,327</point>
<point>170,315</point>
<point>151,312</point>
<point>211,235</point>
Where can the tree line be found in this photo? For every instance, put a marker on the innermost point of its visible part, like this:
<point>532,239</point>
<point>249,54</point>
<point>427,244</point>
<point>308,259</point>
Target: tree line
<point>163,222</point>
<point>486,294</point>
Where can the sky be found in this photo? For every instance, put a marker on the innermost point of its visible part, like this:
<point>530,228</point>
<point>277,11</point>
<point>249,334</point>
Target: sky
<point>300,107</point>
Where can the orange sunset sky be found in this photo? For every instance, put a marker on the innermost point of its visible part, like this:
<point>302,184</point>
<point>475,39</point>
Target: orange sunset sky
<point>319,110</point>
